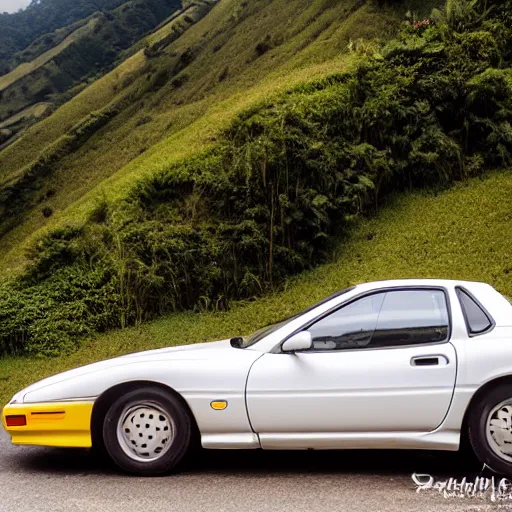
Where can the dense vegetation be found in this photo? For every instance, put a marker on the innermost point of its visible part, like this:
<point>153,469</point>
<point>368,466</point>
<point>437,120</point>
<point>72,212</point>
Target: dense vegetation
<point>432,107</point>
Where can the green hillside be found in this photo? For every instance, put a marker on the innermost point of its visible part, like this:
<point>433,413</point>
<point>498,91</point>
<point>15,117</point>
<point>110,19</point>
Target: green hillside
<point>233,148</point>
<point>159,108</point>
<point>39,24</point>
<point>90,47</point>
<point>464,233</point>
<point>28,67</point>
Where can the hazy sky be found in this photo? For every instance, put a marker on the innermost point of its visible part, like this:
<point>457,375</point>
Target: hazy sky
<point>12,5</point>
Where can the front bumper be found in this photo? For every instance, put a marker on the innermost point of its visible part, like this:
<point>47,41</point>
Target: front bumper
<point>63,424</point>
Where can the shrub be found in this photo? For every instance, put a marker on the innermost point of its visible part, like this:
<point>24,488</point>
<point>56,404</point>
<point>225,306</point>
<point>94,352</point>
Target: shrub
<point>51,317</point>
<point>224,74</point>
<point>47,212</point>
<point>144,119</point>
<point>263,47</point>
<point>180,81</point>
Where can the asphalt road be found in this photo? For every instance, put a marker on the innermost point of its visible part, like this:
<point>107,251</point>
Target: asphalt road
<point>44,480</point>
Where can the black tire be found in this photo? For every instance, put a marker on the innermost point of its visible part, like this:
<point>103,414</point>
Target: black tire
<point>179,442</point>
<point>477,425</point>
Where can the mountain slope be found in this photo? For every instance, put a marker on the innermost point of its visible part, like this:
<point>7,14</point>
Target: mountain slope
<point>90,47</point>
<point>414,236</point>
<point>20,29</point>
<point>182,95</point>
<point>26,68</point>
<point>267,188</point>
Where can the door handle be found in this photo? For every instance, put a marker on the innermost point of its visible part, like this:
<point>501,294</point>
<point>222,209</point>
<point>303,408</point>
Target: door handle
<point>434,360</point>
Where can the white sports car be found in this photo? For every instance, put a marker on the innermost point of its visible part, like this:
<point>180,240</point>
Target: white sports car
<point>395,364</point>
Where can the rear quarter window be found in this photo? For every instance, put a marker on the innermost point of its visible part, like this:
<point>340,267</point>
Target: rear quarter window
<point>478,321</point>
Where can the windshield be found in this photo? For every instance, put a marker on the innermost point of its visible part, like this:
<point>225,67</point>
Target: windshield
<point>244,342</point>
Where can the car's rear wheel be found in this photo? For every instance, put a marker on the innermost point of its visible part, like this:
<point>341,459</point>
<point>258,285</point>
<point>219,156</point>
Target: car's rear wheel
<point>490,429</point>
<point>147,431</point>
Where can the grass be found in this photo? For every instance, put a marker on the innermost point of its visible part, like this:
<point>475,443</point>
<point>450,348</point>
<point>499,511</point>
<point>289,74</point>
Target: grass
<point>194,10</point>
<point>462,233</point>
<point>308,39</point>
<point>34,111</point>
<point>95,97</point>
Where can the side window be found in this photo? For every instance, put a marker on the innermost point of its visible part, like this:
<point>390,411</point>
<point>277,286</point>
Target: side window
<point>349,327</point>
<point>387,319</point>
<point>477,320</point>
<point>412,317</point>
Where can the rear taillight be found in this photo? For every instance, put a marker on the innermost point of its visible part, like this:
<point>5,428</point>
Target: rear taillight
<point>16,421</point>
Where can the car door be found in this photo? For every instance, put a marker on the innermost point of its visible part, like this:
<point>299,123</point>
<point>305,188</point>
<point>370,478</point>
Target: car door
<point>381,363</point>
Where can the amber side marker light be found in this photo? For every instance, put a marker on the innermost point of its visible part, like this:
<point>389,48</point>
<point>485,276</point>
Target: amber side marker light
<point>16,421</point>
<point>219,405</point>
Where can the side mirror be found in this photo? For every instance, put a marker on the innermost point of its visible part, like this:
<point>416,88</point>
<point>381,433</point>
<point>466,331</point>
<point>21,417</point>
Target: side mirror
<point>300,341</point>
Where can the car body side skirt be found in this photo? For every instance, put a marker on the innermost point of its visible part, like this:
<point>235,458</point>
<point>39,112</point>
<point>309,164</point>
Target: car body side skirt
<point>230,441</point>
<point>437,440</point>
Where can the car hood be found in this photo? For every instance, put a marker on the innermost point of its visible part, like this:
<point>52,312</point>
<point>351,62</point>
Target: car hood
<point>198,351</point>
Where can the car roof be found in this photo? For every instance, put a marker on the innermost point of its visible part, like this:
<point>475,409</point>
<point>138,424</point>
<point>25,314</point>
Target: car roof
<point>493,301</point>
<point>393,283</point>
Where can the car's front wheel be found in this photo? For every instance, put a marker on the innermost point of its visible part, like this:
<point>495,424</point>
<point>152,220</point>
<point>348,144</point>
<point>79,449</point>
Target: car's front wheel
<point>490,429</point>
<point>147,431</point>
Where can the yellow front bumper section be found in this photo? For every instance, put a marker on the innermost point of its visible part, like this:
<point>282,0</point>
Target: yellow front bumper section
<point>62,424</point>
